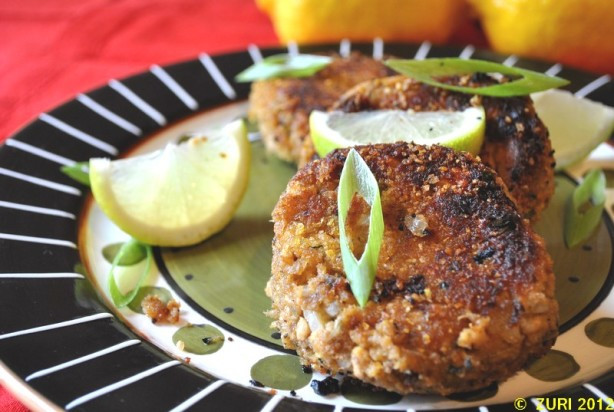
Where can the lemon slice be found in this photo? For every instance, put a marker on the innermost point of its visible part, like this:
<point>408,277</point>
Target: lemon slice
<point>463,130</point>
<point>179,195</point>
<point>576,125</point>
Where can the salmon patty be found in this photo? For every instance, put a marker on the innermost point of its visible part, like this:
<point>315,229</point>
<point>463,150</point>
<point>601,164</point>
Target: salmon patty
<point>516,142</point>
<point>464,289</point>
<point>282,106</point>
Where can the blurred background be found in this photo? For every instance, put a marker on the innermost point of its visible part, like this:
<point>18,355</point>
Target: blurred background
<point>51,50</point>
<point>574,32</point>
<point>54,49</point>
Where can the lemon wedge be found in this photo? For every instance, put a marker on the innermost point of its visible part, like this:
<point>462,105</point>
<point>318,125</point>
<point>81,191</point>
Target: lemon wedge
<point>576,125</point>
<point>462,130</point>
<point>179,195</point>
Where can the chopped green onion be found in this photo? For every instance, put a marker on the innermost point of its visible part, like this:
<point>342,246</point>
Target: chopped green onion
<point>132,256</point>
<point>284,65</point>
<point>252,125</point>
<point>584,208</point>
<point>526,82</point>
<point>78,171</point>
<point>357,178</point>
<point>185,137</point>
<point>120,300</point>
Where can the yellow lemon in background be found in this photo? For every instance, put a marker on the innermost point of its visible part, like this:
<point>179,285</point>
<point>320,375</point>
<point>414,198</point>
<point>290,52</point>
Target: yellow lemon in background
<point>312,21</point>
<point>575,32</point>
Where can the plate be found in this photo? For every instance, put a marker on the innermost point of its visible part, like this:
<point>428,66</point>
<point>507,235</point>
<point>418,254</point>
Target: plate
<point>63,345</point>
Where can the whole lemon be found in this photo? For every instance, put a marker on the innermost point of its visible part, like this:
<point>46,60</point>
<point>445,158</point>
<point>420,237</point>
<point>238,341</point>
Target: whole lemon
<point>575,32</point>
<point>311,21</point>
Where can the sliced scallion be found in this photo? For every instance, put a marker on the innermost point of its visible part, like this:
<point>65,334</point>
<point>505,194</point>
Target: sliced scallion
<point>357,178</point>
<point>78,171</point>
<point>284,65</point>
<point>128,248</point>
<point>132,256</point>
<point>584,208</point>
<point>523,81</point>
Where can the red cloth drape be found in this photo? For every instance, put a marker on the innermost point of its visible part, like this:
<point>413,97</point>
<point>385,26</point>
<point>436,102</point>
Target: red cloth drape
<point>51,50</point>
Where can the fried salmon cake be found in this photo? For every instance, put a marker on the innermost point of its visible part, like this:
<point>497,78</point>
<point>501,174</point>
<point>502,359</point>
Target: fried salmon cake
<point>282,106</point>
<point>516,143</point>
<point>464,290</point>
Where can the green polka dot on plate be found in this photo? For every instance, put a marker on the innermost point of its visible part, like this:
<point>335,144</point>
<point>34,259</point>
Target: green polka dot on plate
<point>601,331</point>
<point>282,372</point>
<point>477,395</point>
<point>366,394</point>
<point>199,339</point>
<point>553,366</point>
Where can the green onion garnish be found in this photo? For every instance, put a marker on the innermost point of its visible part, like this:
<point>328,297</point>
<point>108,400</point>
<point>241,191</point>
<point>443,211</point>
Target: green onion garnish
<point>525,82</point>
<point>120,300</point>
<point>78,171</point>
<point>584,208</point>
<point>284,65</point>
<point>356,178</point>
<point>132,256</point>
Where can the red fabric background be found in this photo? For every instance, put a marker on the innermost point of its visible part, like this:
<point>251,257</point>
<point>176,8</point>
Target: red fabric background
<point>51,50</point>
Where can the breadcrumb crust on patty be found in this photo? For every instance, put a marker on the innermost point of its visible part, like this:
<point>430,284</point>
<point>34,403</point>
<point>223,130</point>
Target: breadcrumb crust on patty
<point>463,303</point>
<point>282,106</point>
<point>516,145</point>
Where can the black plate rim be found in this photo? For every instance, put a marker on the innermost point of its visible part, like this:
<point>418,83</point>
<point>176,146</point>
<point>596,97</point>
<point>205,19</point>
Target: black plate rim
<point>93,305</point>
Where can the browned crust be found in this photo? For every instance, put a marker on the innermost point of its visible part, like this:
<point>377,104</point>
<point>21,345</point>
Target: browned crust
<point>516,145</point>
<point>160,312</point>
<point>282,106</point>
<point>464,306</point>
